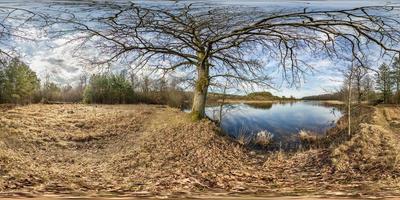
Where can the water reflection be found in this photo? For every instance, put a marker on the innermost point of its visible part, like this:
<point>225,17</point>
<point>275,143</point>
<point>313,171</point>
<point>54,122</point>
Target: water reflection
<point>260,105</point>
<point>281,119</point>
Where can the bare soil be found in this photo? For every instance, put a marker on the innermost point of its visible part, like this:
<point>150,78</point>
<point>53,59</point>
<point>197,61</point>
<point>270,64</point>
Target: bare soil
<point>156,151</point>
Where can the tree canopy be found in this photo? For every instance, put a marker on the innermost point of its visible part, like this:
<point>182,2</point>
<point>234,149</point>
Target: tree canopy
<point>18,83</point>
<point>213,44</point>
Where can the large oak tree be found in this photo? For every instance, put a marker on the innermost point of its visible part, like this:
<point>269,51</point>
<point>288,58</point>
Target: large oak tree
<point>219,43</point>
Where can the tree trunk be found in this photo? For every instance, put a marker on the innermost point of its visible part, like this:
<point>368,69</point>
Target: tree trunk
<point>349,109</point>
<point>221,106</point>
<point>349,100</point>
<point>200,92</point>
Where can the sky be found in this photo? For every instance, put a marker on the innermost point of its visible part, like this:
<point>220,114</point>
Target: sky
<point>52,58</point>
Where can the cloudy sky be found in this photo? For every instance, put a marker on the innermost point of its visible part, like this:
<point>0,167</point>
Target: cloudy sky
<point>54,58</point>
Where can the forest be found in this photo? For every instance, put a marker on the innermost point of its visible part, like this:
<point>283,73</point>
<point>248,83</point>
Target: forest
<point>20,85</point>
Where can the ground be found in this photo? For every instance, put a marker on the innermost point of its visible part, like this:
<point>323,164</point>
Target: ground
<point>147,150</point>
<point>392,117</point>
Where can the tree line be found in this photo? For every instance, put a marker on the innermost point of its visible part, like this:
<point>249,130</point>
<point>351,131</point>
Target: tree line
<point>124,88</point>
<point>361,84</point>
<point>381,86</point>
<point>21,85</point>
<point>388,82</point>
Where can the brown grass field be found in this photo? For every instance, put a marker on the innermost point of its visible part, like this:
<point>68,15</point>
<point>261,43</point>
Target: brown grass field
<point>156,151</point>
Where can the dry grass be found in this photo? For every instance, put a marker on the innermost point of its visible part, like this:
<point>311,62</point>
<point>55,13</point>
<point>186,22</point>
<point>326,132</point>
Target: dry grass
<point>307,136</point>
<point>243,139</point>
<point>333,102</point>
<point>373,152</point>
<point>263,138</point>
<point>125,148</point>
<point>142,148</point>
<point>65,147</point>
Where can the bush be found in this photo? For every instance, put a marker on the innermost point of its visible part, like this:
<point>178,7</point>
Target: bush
<point>108,89</point>
<point>18,83</point>
<point>263,138</point>
<point>307,137</point>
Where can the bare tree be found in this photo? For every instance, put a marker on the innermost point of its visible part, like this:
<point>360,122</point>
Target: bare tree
<point>14,24</point>
<point>358,75</point>
<point>210,43</point>
<point>146,84</point>
<point>368,87</point>
<point>83,79</point>
<point>349,75</point>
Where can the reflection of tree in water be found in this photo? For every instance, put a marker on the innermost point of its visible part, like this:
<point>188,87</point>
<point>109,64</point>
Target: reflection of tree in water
<point>260,105</point>
<point>244,121</point>
<point>222,110</point>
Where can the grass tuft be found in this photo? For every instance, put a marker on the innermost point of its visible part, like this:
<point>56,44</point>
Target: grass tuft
<point>263,138</point>
<point>307,137</point>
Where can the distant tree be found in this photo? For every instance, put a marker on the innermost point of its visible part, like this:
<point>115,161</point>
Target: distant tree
<point>134,81</point>
<point>384,82</point>
<point>50,91</point>
<point>368,88</point>
<point>71,94</point>
<point>2,85</point>
<point>146,84</point>
<point>108,89</point>
<point>330,96</point>
<point>18,83</point>
<point>359,73</point>
<point>262,96</point>
<point>83,79</point>
<point>396,77</point>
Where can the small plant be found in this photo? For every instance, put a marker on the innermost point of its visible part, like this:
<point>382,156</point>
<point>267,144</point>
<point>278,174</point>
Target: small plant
<point>307,137</point>
<point>242,138</point>
<point>263,138</point>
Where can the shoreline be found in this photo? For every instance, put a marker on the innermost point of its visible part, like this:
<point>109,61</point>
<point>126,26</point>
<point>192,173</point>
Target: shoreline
<point>234,101</point>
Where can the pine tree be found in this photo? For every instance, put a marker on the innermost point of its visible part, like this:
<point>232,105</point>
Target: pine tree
<point>18,83</point>
<point>396,77</point>
<point>2,86</point>
<point>384,82</point>
<point>109,88</point>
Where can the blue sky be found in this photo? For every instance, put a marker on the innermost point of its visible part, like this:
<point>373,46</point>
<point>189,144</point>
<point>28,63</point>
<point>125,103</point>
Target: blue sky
<point>52,57</point>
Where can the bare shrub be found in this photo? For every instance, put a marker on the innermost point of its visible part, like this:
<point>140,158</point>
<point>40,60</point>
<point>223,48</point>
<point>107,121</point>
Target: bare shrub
<point>307,136</point>
<point>263,138</point>
<point>242,137</point>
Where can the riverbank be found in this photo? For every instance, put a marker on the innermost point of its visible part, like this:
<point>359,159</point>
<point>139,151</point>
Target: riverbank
<point>133,150</point>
